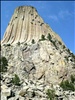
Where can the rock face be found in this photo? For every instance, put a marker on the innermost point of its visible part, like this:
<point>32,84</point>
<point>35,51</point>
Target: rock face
<point>41,64</point>
<point>26,25</point>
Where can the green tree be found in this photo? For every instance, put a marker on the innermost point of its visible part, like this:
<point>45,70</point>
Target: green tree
<point>3,64</point>
<point>42,38</point>
<point>18,43</point>
<point>66,85</point>
<point>33,41</point>
<point>16,80</point>
<point>51,94</point>
<point>49,37</point>
<point>72,78</point>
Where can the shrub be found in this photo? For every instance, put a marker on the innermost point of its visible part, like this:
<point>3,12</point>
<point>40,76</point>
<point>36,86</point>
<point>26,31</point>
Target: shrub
<point>42,38</point>
<point>33,41</point>
<point>8,45</point>
<point>3,64</point>
<point>64,47</point>
<point>73,56</point>
<point>49,37</point>
<point>25,44</point>
<point>51,94</point>
<point>72,78</point>
<point>16,80</point>
<point>66,85</point>
<point>0,47</point>
<point>54,43</point>
<point>60,43</point>
<point>66,58</point>
<point>18,43</point>
<point>68,50</point>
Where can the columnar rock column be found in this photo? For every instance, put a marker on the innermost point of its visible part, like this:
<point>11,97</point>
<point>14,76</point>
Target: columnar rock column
<point>26,25</point>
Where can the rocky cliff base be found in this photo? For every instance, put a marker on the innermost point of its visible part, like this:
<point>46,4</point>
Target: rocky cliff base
<point>39,67</point>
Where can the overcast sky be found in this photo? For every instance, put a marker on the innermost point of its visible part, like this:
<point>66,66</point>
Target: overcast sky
<point>60,15</point>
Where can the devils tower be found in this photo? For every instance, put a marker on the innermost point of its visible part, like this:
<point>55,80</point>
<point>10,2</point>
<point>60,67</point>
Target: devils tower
<point>26,25</point>
<point>36,60</point>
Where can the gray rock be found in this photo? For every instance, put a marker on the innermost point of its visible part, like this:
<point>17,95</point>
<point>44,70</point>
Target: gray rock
<point>3,97</point>
<point>5,90</point>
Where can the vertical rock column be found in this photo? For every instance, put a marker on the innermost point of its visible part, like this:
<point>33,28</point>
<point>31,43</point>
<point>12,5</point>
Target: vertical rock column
<point>24,26</point>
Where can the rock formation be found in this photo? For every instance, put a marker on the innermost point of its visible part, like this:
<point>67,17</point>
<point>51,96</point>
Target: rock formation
<point>26,25</point>
<point>37,55</point>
